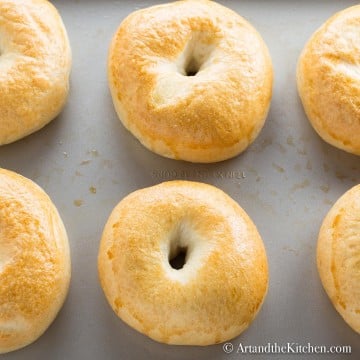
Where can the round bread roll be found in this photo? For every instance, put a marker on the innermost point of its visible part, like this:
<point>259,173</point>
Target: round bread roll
<point>34,261</point>
<point>191,80</point>
<point>182,263</point>
<point>35,61</point>
<point>328,79</point>
<point>338,256</point>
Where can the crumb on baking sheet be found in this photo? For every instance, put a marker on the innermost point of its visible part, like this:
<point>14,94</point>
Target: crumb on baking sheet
<point>78,202</point>
<point>291,250</point>
<point>92,189</point>
<point>301,151</point>
<point>290,140</point>
<point>278,168</point>
<point>340,175</point>
<point>301,185</point>
<point>259,147</point>
<point>93,152</point>
<point>325,188</point>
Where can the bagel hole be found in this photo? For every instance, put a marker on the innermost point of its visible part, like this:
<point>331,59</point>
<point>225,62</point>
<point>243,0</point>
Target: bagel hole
<point>178,259</point>
<point>197,52</point>
<point>192,67</point>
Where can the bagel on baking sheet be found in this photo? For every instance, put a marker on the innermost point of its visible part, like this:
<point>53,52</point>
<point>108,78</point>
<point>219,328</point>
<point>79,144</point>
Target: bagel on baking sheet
<point>338,256</point>
<point>34,261</point>
<point>213,294</point>
<point>191,80</point>
<point>328,78</point>
<point>35,62</point>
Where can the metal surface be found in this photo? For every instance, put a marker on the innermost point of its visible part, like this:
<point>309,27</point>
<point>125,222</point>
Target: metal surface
<point>287,181</point>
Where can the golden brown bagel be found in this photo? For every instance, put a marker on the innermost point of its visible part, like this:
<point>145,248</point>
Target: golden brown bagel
<point>34,261</point>
<point>338,256</point>
<point>220,288</point>
<point>212,115</point>
<point>328,77</point>
<point>35,61</point>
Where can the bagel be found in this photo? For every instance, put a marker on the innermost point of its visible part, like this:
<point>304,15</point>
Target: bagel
<point>329,82</point>
<point>35,61</point>
<point>34,261</point>
<point>338,256</point>
<point>218,288</point>
<point>191,80</point>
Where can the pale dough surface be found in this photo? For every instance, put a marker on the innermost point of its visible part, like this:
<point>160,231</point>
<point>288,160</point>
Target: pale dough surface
<point>35,62</point>
<point>34,261</point>
<point>208,117</point>
<point>223,283</point>
<point>328,78</point>
<point>338,256</point>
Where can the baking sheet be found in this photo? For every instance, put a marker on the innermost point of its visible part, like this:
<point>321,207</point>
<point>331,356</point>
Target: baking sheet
<point>287,181</point>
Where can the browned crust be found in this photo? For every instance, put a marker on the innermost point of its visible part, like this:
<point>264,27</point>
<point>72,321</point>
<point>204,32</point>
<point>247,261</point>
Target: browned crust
<point>205,118</point>
<point>35,62</point>
<point>34,261</point>
<point>328,78</point>
<point>338,256</point>
<point>222,286</point>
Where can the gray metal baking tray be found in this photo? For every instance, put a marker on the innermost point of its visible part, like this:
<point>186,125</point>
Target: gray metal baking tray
<point>287,181</point>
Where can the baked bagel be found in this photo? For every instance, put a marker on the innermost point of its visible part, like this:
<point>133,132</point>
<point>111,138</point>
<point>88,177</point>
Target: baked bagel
<point>34,261</point>
<point>338,256</point>
<point>328,77</point>
<point>192,80</point>
<point>218,288</point>
<point>35,61</point>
